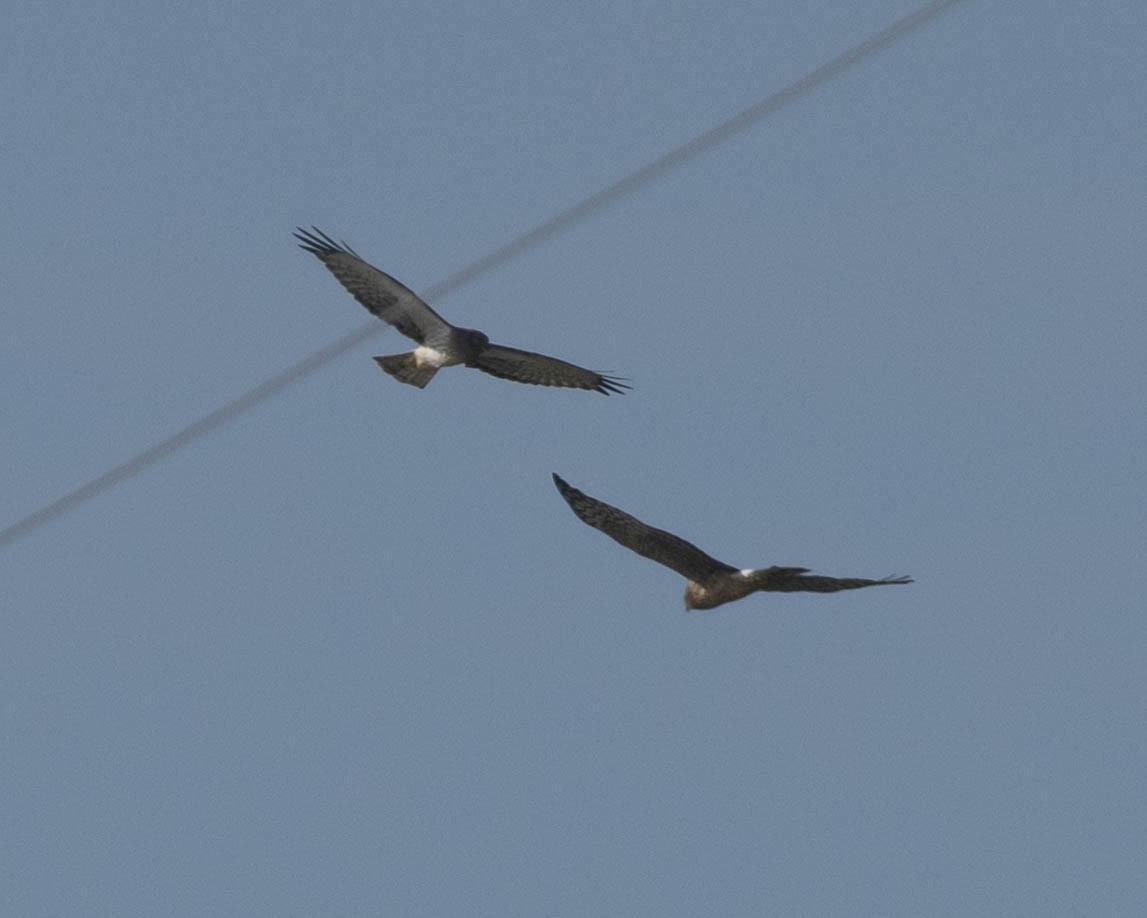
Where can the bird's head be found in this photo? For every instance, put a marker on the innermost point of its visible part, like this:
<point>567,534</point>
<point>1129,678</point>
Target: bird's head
<point>695,597</point>
<point>475,340</point>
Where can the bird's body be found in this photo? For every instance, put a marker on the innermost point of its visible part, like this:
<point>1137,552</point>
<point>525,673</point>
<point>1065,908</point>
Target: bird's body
<point>440,344</point>
<point>417,368</point>
<point>711,583</point>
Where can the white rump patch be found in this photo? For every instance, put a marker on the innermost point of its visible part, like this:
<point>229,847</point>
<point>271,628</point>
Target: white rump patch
<point>748,571</point>
<point>428,357</point>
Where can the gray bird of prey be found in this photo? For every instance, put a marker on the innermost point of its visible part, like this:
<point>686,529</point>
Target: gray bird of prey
<point>711,582</point>
<point>440,344</point>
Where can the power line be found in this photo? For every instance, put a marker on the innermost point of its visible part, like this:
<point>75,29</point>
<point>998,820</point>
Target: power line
<point>528,240</point>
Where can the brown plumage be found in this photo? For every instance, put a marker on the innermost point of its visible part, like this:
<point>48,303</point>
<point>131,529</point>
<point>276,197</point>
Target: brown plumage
<point>711,582</point>
<point>440,343</point>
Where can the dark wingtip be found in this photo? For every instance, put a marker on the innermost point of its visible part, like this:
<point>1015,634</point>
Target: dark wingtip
<point>612,385</point>
<point>319,243</point>
<point>567,491</point>
<point>897,580</point>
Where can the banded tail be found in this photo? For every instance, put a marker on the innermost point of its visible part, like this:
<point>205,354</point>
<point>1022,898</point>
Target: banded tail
<point>405,368</point>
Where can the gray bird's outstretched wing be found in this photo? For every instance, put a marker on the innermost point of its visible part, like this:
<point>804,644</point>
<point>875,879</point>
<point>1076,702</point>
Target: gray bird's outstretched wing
<point>540,370</point>
<point>381,294</point>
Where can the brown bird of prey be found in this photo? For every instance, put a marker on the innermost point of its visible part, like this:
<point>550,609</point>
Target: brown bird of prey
<point>440,344</point>
<point>711,582</point>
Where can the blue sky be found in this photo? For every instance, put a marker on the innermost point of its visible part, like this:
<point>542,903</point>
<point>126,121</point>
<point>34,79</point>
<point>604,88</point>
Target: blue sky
<point>351,654</point>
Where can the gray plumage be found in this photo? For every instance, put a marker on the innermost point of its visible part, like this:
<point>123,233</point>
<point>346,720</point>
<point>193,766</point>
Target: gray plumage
<point>711,582</point>
<point>440,343</point>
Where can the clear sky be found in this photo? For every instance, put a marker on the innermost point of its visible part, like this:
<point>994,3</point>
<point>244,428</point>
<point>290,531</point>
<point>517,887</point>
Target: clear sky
<point>352,654</point>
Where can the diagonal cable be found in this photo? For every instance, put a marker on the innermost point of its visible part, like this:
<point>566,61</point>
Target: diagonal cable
<point>528,240</point>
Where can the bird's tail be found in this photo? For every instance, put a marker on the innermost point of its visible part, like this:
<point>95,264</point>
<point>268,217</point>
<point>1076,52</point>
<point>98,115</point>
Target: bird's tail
<point>405,368</point>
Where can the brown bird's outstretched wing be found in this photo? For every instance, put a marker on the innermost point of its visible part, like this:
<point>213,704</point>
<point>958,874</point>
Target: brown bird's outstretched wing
<point>655,544</point>
<point>540,370</point>
<point>380,293</point>
<point>784,582</point>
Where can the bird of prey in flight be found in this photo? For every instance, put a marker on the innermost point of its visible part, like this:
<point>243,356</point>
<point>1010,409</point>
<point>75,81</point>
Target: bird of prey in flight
<point>440,344</point>
<point>711,582</point>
